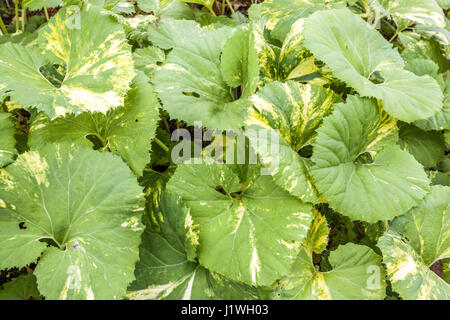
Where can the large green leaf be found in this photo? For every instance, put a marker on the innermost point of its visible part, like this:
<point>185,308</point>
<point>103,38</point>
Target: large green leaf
<point>190,84</point>
<point>126,131</point>
<point>22,288</point>
<point>295,111</point>
<point>359,170</point>
<point>356,274</point>
<point>7,141</point>
<point>360,56</point>
<point>417,11</point>
<point>94,74</point>
<point>167,270</point>
<point>86,205</point>
<point>250,223</point>
<point>415,241</point>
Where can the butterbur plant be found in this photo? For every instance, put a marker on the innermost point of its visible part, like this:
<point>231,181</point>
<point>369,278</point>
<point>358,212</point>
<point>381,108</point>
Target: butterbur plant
<point>313,138</point>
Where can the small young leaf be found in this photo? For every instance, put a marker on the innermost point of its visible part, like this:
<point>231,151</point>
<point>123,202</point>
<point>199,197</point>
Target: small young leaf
<point>317,239</point>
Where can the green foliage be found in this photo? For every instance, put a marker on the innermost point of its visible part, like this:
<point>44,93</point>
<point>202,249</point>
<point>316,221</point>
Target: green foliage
<point>167,268</point>
<point>346,280</point>
<point>87,207</point>
<point>361,57</point>
<point>7,142</point>
<point>22,288</point>
<point>341,188</point>
<point>246,221</point>
<point>96,73</point>
<point>415,242</point>
<point>426,147</point>
<point>413,11</point>
<point>359,169</point>
<point>126,131</point>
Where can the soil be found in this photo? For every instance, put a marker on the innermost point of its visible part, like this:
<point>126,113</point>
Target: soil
<point>437,268</point>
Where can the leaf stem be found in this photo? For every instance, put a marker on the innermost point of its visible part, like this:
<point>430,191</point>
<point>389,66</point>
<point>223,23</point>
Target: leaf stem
<point>2,26</point>
<point>394,36</point>
<point>47,17</point>
<point>24,18</point>
<point>231,7</point>
<point>59,245</point>
<point>397,32</point>
<point>212,11</point>
<point>166,124</point>
<point>16,13</point>
<point>161,144</point>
